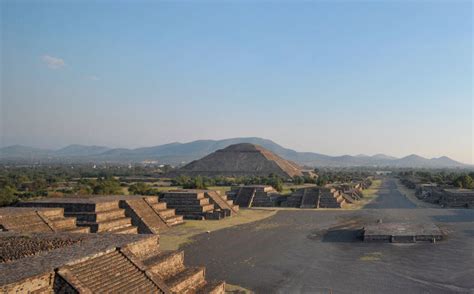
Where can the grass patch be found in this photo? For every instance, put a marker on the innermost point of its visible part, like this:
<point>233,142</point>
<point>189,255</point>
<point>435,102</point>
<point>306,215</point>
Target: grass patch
<point>179,236</point>
<point>234,289</point>
<point>369,195</point>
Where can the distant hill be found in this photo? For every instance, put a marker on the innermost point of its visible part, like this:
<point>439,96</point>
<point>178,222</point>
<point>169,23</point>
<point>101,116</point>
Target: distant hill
<point>183,153</point>
<point>243,159</point>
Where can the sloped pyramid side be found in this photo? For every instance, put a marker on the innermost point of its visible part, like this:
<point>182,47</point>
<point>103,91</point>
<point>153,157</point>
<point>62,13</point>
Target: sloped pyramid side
<point>241,160</point>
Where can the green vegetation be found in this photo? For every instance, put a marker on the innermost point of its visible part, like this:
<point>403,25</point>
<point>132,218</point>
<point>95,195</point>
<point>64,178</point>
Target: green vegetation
<point>460,179</point>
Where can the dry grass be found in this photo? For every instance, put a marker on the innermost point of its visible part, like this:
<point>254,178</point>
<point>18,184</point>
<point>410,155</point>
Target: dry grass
<point>178,236</point>
<point>369,195</point>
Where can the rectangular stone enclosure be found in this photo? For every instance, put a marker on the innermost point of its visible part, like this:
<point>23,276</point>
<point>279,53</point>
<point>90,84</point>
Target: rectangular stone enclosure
<point>402,233</point>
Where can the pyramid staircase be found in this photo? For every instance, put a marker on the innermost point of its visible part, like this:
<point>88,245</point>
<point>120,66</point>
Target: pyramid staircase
<point>139,267</point>
<point>222,202</point>
<point>33,220</point>
<point>330,198</point>
<point>310,198</point>
<point>150,215</point>
<point>192,204</point>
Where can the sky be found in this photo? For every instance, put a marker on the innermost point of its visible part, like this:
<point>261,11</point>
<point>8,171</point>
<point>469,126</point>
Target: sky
<point>333,77</point>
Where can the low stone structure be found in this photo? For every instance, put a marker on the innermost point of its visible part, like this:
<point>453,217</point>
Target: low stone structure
<point>445,197</point>
<point>18,219</point>
<point>401,233</point>
<point>115,214</point>
<point>316,197</point>
<point>200,204</point>
<point>96,263</point>
<point>254,196</point>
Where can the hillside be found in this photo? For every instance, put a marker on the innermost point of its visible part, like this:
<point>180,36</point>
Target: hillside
<point>183,153</point>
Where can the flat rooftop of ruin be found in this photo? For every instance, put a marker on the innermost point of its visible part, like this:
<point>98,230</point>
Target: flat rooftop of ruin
<point>38,253</point>
<point>9,211</point>
<point>420,231</point>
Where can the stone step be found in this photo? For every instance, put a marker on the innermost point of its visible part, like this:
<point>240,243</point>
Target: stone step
<point>64,223</point>
<point>182,195</point>
<point>166,263</point>
<point>106,206</point>
<point>215,287</point>
<point>166,213</point>
<point>98,216</point>
<point>174,220</point>
<point>172,202</point>
<point>189,278</point>
<point>190,209</point>
<point>151,199</point>
<point>53,213</point>
<point>125,230</point>
<point>106,225</point>
<point>159,206</point>
<point>78,230</point>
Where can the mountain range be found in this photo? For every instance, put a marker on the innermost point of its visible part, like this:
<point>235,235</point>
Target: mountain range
<point>181,153</point>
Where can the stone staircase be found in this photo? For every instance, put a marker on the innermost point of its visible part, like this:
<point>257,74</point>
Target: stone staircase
<point>310,198</point>
<point>294,200</point>
<point>102,217</point>
<point>330,198</point>
<point>254,196</point>
<point>149,215</point>
<point>37,220</point>
<point>191,204</point>
<point>111,272</point>
<point>221,202</point>
<point>169,267</point>
<point>139,267</point>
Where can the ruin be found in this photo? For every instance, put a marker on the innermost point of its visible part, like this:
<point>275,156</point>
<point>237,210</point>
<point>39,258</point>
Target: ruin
<point>445,197</point>
<point>401,233</point>
<point>18,219</point>
<point>114,214</point>
<point>200,204</point>
<point>316,197</point>
<point>96,263</point>
<point>254,196</point>
<point>241,160</point>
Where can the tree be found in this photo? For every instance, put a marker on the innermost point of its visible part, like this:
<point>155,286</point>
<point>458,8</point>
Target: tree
<point>7,196</point>
<point>297,180</point>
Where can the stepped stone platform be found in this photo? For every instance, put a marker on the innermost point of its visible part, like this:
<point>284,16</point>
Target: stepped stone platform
<point>199,204</point>
<point>115,214</point>
<point>254,196</point>
<point>29,220</point>
<point>96,263</point>
<point>317,197</point>
<point>401,233</point>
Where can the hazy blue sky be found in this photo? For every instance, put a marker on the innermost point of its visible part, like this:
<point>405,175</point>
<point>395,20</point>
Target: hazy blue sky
<point>337,78</point>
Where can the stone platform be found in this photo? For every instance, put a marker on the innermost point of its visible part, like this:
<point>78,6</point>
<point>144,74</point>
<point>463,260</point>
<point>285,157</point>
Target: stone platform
<point>96,263</point>
<point>115,213</point>
<point>402,233</point>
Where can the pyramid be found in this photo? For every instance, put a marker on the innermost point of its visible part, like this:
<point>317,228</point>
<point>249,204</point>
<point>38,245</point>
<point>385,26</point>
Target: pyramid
<point>241,160</point>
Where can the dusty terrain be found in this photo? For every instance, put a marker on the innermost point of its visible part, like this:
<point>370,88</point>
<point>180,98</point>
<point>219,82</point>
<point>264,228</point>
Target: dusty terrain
<point>311,251</point>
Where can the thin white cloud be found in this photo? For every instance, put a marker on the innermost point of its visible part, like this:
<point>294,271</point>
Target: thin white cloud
<point>93,78</point>
<point>53,62</point>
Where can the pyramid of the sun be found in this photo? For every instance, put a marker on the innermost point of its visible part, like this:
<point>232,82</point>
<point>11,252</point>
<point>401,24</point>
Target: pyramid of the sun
<point>242,160</point>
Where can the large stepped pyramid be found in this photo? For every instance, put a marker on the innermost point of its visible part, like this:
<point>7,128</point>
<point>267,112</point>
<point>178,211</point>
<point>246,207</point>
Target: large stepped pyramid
<point>100,263</point>
<point>241,160</point>
<point>25,220</point>
<point>115,214</point>
<point>199,204</point>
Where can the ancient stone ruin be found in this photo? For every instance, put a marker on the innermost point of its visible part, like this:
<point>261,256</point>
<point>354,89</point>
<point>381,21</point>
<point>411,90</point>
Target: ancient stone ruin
<point>200,204</point>
<point>115,214</point>
<point>96,263</point>
<point>254,196</point>
<point>316,197</point>
<point>241,160</point>
<point>18,219</point>
<point>402,233</point>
